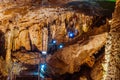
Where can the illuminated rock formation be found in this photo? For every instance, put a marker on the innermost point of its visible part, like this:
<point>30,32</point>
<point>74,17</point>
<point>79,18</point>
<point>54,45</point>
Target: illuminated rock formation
<point>30,27</point>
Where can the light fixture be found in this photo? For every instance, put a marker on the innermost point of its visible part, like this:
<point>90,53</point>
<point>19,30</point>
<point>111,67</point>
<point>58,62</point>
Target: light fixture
<point>54,41</point>
<point>41,75</point>
<point>60,46</point>
<point>44,53</point>
<point>42,68</point>
<point>71,34</point>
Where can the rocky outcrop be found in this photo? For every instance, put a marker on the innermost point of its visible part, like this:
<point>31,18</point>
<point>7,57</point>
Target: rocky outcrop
<point>29,29</point>
<point>71,58</point>
<point>112,51</point>
<point>97,69</point>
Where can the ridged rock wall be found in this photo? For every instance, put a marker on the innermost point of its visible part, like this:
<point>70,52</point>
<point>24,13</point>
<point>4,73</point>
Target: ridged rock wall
<point>29,29</point>
<point>111,63</point>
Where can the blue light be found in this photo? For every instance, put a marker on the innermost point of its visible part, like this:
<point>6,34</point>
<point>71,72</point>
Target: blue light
<point>41,75</point>
<point>44,53</point>
<point>35,73</point>
<point>54,41</point>
<point>60,46</point>
<point>42,68</point>
<point>71,34</point>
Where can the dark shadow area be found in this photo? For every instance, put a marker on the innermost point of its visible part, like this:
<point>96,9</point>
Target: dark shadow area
<point>100,52</point>
<point>85,71</point>
<point>2,44</point>
<point>34,48</point>
<point>27,78</point>
<point>92,7</point>
<point>110,6</point>
<point>87,8</point>
<point>100,10</point>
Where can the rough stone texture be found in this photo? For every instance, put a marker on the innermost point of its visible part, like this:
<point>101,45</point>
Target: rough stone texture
<point>70,58</point>
<point>24,40</point>
<point>28,29</point>
<point>27,58</point>
<point>97,69</point>
<point>112,53</point>
<point>26,24</point>
<point>35,36</point>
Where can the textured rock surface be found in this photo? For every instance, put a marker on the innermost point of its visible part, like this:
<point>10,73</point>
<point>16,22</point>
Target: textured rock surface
<point>112,51</point>
<point>71,58</point>
<point>29,28</point>
<point>97,69</point>
<point>25,24</point>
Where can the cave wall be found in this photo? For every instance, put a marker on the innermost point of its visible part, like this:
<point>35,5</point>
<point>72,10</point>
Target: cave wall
<point>24,28</point>
<point>112,51</point>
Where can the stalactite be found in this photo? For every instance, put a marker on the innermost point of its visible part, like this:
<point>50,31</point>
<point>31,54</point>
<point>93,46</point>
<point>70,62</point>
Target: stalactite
<point>9,45</point>
<point>45,39</point>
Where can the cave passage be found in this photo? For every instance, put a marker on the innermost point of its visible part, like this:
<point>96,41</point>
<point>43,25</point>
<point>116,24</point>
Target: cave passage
<point>65,42</point>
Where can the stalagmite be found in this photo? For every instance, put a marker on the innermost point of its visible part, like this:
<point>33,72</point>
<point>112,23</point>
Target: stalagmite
<point>45,39</point>
<point>25,40</point>
<point>9,39</point>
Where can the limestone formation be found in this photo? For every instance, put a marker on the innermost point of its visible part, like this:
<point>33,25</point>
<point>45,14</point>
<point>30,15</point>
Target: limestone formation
<point>112,51</point>
<point>27,29</point>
